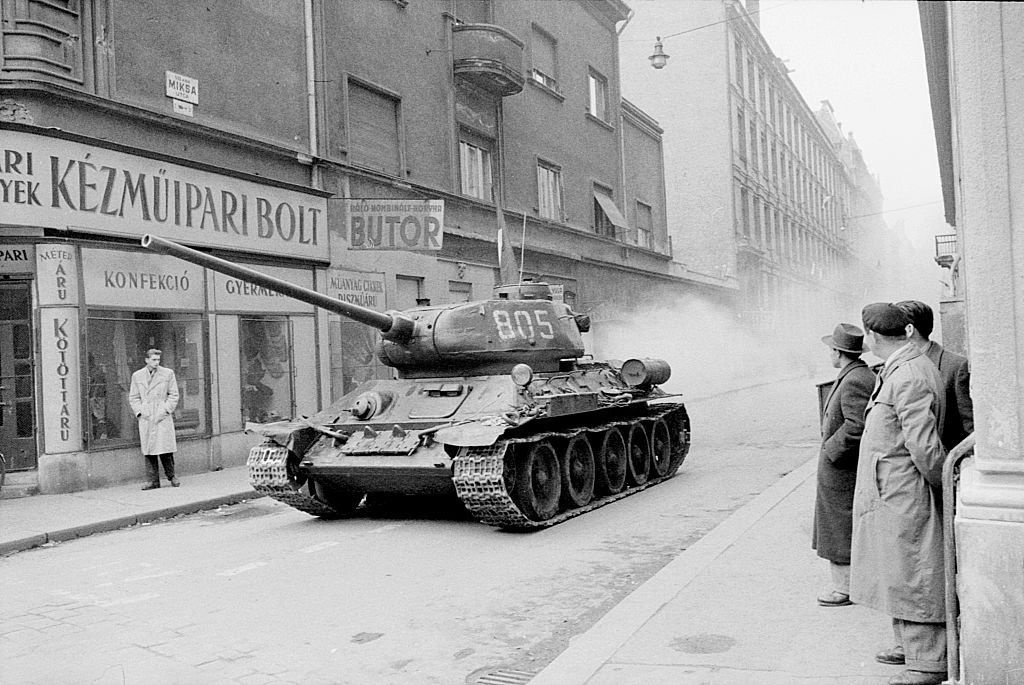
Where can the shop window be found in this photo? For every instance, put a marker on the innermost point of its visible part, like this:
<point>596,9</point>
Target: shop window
<point>116,343</point>
<point>266,358</point>
<point>353,356</point>
<point>460,291</point>
<point>549,191</point>
<point>373,138</point>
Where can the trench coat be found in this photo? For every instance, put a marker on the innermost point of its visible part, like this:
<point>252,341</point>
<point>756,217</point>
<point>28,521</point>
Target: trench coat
<point>897,553</point>
<point>842,423</point>
<point>153,399</point>
<point>955,371</point>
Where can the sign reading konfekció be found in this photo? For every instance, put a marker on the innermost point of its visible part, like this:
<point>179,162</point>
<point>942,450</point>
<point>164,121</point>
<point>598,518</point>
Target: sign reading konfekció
<point>66,184</point>
<point>395,224</point>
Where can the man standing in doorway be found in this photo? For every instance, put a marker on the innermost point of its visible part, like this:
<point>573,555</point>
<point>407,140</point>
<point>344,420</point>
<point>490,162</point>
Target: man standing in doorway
<point>954,369</point>
<point>842,423</point>
<point>153,397</point>
<point>897,553</point>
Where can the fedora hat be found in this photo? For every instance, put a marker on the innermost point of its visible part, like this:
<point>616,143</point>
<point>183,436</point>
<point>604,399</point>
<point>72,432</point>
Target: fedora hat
<point>846,338</point>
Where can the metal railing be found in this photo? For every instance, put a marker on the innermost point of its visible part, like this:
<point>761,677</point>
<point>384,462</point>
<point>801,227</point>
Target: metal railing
<point>945,245</point>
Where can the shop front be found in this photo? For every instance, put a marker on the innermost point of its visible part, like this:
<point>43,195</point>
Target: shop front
<point>82,302</point>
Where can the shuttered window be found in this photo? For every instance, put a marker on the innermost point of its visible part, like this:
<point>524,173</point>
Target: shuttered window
<point>549,191</point>
<point>373,138</point>
<point>544,67</point>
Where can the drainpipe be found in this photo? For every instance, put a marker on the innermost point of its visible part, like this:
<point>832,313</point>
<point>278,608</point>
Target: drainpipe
<point>314,141</point>
<point>950,470</point>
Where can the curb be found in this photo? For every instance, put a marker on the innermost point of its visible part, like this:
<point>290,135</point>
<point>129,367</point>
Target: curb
<point>72,532</point>
<point>589,651</point>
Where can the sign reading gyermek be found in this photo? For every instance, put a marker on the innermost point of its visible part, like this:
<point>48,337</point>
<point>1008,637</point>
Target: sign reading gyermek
<point>182,87</point>
<point>395,224</point>
<point>64,184</point>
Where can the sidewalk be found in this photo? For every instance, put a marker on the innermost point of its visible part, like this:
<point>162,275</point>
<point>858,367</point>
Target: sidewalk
<point>27,522</point>
<point>736,608</point>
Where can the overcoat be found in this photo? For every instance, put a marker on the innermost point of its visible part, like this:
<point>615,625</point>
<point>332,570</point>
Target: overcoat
<point>154,397</point>
<point>897,552</point>
<point>955,371</point>
<point>841,426</point>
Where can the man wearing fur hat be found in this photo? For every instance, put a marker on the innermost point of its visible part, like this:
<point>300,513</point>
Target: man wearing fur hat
<point>897,554</point>
<point>842,423</point>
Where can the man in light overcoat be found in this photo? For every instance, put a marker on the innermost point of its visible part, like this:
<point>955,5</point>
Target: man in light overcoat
<point>153,397</point>
<point>955,370</point>
<point>897,547</point>
<point>842,423</point>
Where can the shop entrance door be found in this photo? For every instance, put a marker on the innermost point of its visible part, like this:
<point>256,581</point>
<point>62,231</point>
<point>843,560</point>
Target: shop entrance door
<point>17,381</point>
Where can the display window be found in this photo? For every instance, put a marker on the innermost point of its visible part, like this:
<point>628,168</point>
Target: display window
<point>116,347</point>
<point>265,344</point>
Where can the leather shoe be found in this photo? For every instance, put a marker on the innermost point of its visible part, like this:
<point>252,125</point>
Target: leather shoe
<point>151,486</point>
<point>912,677</point>
<point>835,599</point>
<point>893,657</point>
<point>175,482</point>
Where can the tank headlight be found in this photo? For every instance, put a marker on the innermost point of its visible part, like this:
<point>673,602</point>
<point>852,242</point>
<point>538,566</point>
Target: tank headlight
<point>522,374</point>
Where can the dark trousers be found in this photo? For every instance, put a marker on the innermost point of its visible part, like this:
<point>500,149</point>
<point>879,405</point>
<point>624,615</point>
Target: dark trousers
<point>153,468</point>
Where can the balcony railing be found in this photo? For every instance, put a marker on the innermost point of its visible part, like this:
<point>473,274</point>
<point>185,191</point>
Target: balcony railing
<point>489,57</point>
<point>945,249</point>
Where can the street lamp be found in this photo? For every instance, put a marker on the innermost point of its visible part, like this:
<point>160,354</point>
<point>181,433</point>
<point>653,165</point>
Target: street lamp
<point>659,58</point>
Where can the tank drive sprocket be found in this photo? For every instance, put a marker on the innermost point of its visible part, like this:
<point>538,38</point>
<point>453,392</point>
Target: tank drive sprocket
<point>482,475</point>
<point>271,474</point>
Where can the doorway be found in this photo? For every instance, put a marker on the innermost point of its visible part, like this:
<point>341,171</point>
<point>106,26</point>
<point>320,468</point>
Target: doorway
<point>17,380</point>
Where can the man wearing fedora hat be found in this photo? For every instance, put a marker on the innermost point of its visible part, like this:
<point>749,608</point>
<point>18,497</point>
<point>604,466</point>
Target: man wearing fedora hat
<point>842,423</point>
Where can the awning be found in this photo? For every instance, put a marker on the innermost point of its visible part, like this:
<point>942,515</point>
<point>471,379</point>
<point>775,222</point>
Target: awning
<point>611,211</point>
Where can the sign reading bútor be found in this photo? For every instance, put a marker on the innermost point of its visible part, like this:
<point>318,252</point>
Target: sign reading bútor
<point>182,88</point>
<point>395,224</point>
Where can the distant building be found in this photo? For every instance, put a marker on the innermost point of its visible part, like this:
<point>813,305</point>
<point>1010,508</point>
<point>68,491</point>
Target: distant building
<point>760,187</point>
<point>240,128</point>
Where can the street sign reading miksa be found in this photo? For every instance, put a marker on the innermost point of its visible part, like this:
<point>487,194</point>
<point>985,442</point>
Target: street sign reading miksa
<point>182,88</point>
<point>395,224</point>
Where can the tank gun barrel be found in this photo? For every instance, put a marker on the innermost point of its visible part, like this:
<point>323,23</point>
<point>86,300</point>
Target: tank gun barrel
<point>393,326</point>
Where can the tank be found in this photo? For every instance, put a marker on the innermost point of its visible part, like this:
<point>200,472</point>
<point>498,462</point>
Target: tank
<point>493,401</point>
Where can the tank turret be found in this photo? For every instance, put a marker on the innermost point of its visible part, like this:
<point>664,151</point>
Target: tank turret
<point>520,325</point>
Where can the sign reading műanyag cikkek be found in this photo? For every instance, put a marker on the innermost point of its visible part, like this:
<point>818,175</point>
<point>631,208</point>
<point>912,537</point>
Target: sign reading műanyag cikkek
<point>395,224</point>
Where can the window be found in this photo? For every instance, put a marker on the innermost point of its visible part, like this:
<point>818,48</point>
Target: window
<point>373,139</point>
<point>543,58</point>
<point>758,236</point>
<point>117,343</point>
<point>549,191</point>
<point>460,291</point>
<point>471,11</point>
<point>741,137</point>
<point>265,344</point>
<point>775,163</point>
<point>409,290</point>
<point>764,152</point>
<point>644,224</point>
<point>750,80</point>
<point>475,166</point>
<point>738,54</point>
<point>608,220</point>
<point>745,212</point>
<point>761,91</point>
<point>753,144</point>
<point>598,106</point>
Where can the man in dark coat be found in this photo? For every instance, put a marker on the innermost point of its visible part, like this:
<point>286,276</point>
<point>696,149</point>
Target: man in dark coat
<point>842,422</point>
<point>954,369</point>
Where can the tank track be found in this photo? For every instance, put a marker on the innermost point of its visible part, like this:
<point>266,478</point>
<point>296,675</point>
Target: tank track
<point>480,484</point>
<point>268,475</point>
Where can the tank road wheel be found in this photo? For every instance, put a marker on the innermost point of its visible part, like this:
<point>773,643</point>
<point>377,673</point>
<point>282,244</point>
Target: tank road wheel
<point>611,463</point>
<point>578,474</point>
<point>343,503</point>
<point>639,454</point>
<point>538,482</point>
<point>661,448</point>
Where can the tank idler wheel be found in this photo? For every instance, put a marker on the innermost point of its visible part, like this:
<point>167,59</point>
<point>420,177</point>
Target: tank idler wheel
<point>639,454</point>
<point>538,483</point>
<point>578,472</point>
<point>343,502</point>
<point>611,460</point>
<point>661,448</point>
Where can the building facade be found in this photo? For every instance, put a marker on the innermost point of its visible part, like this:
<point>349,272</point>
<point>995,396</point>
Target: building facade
<point>121,119</point>
<point>974,70</point>
<point>762,188</point>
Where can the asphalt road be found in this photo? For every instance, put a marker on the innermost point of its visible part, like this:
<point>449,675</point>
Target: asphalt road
<point>408,592</point>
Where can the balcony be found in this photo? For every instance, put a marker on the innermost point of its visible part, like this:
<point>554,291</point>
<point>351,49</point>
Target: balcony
<point>489,57</point>
<point>945,250</point>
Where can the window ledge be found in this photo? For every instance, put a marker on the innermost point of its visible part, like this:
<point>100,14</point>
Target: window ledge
<point>600,122</point>
<point>544,89</point>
